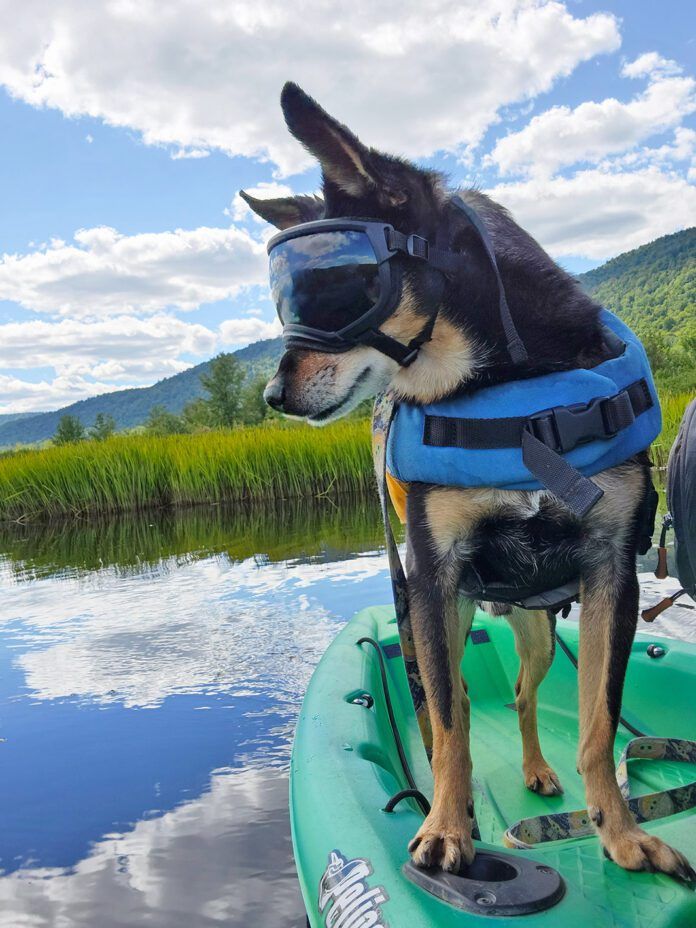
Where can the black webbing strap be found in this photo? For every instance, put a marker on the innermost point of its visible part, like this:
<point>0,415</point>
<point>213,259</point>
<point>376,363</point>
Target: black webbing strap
<point>578,492</point>
<point>419,247</point>
<point>449,262</point>
<point>396,350</point>
<point>545,435</point>
<point>515,345</point>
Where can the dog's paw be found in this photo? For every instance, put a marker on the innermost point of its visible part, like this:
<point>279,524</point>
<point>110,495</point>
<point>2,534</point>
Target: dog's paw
<point>540,778</point>
<point>634,849</point>
<point>442,845</point>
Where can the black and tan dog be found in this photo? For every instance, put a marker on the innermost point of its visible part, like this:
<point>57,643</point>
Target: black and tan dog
<point>526,534</point>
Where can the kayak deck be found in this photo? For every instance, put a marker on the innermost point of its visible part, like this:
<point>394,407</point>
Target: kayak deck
<point>346,766</point>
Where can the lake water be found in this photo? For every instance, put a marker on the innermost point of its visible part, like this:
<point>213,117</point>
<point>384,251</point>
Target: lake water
<point>152,673</point>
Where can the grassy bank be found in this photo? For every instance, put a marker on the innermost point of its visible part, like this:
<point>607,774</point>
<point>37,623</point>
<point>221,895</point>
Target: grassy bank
<point>138,472</point>
<point>673,406</point>
<point>275,461</point>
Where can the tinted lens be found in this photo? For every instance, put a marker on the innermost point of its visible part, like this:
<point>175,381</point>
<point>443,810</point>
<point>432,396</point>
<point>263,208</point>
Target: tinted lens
<point>325,280</point>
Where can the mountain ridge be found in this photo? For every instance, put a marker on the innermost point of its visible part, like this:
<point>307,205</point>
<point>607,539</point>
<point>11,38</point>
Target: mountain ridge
<point>131,407</point>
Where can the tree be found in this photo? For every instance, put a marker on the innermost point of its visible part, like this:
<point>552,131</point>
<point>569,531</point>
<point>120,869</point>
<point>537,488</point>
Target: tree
<point>253,408</point>
<point>162,422</point>
<point>197,416</point>
<point>103,428</point>
<point>224,388</point>
<point>69,430</point>
<point>656,347</point>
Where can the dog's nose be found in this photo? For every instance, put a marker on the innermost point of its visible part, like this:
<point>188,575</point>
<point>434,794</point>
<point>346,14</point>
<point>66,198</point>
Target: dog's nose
<point>274,394</point>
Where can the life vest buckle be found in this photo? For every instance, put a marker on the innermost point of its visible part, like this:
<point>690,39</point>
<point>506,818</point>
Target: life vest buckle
<point>563,428</point>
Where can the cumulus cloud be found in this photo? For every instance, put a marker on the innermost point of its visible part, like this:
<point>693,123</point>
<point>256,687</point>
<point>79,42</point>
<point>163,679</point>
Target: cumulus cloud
<point>17,395</point>
<point>104,272</point>
<point>123,345</point>
<point>244,331</point>
<point>563,136</point>
<point>207,76</point>
<point>598,214</point>
<point>650,63</point>
<point>89,358</point>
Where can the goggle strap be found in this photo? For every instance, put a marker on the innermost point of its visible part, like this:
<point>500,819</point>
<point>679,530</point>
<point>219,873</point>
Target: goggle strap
<point>404,355</point>
<point>451,261</point>
<point>515,345</point>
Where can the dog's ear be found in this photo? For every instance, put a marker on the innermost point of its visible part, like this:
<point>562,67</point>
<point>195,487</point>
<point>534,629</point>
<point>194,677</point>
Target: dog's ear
<point>344,160</point>
<point>284,212</point>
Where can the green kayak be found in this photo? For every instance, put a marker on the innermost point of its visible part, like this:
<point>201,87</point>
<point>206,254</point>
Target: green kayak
<point>358,745</point>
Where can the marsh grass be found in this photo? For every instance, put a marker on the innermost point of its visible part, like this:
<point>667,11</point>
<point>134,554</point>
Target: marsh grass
<point>138,472</point>
<point>673,406</point>
<point>275,461</point>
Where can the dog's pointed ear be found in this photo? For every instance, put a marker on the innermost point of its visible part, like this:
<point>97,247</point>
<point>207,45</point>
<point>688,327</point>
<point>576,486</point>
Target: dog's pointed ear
<point>285,212</point>
<point>344,160</point>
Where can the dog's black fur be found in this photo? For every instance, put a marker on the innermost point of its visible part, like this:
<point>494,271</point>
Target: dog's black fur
<point>508,535</point>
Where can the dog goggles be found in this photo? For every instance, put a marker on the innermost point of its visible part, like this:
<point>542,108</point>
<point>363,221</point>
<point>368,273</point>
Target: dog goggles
<point>334,281</point>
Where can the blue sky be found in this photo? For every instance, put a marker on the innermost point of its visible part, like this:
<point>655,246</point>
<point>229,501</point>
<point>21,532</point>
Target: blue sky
<point>126,256</point>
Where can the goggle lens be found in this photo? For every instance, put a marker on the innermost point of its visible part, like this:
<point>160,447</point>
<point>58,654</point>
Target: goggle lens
<point>325,280</point>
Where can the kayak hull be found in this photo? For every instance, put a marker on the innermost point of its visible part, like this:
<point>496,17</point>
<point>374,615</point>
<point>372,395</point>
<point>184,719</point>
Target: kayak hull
<point>350,854</point>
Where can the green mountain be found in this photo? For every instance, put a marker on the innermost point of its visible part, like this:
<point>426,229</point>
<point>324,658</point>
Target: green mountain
<point>132,407</point>
<point>7,417</point>
<point>653,286</point>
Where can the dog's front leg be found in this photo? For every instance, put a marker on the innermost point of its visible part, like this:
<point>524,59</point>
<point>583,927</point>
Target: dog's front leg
<point>439,631</point>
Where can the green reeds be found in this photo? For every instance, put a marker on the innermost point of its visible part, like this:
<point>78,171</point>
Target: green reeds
<point>136,472</point>
<point>673,406</point>
<point>275,461</point>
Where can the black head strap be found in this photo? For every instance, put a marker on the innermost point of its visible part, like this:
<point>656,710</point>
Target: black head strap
<point>450,262</point>
<point>402,354</point>
<point>515,345</point>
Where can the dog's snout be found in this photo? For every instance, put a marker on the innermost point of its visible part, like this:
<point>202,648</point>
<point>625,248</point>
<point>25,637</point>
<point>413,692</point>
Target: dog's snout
<point>274,394</point>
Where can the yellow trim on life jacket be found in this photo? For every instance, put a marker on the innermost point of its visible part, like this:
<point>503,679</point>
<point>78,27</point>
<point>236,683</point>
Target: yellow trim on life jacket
<point>398,490</point>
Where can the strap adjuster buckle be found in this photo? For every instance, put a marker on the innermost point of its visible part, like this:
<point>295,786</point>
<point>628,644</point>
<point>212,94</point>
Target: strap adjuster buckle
<point>417,247</point>
<point>565,427</point>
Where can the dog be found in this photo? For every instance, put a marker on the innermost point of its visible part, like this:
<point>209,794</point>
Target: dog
<point>524,533</point>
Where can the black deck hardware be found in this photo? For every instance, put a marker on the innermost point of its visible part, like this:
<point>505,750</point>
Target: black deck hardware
<point>494,884</point>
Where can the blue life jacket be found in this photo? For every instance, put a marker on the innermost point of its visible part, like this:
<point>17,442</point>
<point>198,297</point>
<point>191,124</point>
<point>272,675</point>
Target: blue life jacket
<point>591,419</point>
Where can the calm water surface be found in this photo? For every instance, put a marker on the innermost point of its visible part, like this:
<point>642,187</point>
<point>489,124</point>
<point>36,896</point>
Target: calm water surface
<point>152,672</point>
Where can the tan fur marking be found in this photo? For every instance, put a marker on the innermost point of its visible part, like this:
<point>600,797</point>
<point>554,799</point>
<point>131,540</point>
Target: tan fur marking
<point>452,514</point>
<point>622,486</point>
<point>444,838</point>
<point>311,363</point>
<point>443,363</point>
<point>535,649</point>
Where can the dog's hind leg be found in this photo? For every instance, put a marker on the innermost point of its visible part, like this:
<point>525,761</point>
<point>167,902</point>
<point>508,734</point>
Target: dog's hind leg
<point>535,645</point>
<point>608,618</point>
<point>439,625</point>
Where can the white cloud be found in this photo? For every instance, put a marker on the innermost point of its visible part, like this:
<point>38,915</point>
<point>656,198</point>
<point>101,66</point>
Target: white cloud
<point>599,214</point>
<point>207,76</point>
<point>180,153</point>
<point>244,331</point>
<point>650,63</point>
<point>18,395</point>
<point>131,346</point>
<point>562,136</point>
<point>89,358</point>
<point>105,273</point>
<point>682,148</point>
